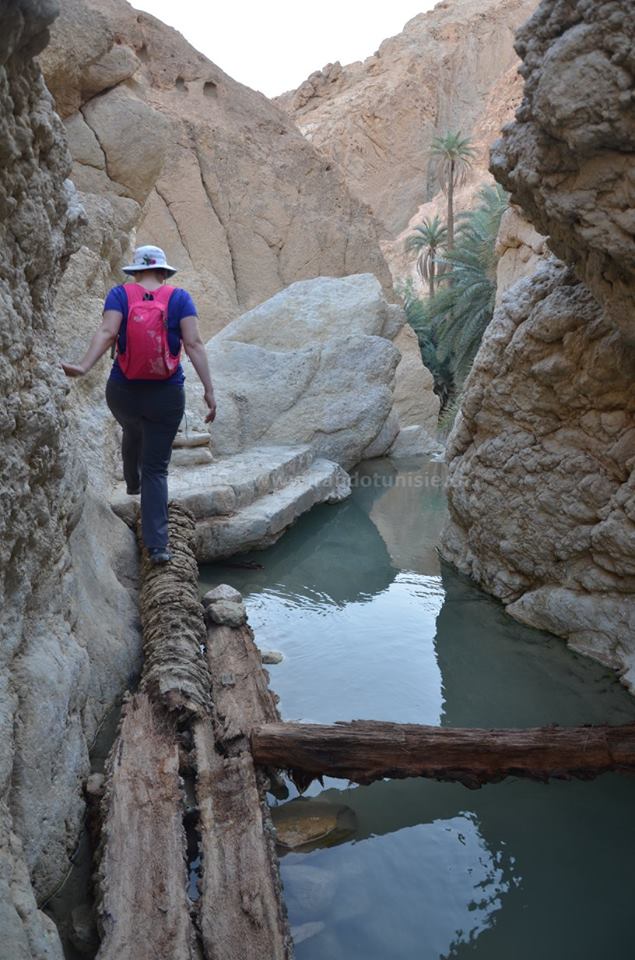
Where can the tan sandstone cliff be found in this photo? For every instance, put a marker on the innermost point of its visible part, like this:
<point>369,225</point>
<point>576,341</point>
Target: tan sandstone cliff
<point>168,149</point>
<point>450,68</point>
<point>165,143</point>
<point>542,458</point>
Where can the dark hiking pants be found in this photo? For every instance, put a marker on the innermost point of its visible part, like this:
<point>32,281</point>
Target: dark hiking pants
<point>150,414</point>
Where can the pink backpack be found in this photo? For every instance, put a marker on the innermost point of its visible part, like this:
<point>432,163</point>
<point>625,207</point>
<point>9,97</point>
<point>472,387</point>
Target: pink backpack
<point>147,355</point>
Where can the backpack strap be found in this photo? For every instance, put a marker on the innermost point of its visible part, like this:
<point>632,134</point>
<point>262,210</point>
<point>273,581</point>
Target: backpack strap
<point>162,295</point>
<point>135,293</point>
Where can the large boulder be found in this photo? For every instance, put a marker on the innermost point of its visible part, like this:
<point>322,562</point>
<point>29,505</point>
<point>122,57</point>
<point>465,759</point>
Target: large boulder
<point>314,364</point>
<point>541,484</point>
<point>416,403</point>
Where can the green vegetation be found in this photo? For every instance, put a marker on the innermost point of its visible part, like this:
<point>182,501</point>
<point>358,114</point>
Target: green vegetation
<point>429,239</point>
<point>450,324</point>
<point>452,156</point>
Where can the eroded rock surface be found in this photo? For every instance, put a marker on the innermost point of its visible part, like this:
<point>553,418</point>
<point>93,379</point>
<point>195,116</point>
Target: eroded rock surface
<point>568,158</point>
<point>65,646</point>
<point>541,466</point>
<point>519,249</point>
<point>313,365</point>
<point>220,177</point>
<point>542,458</point>
<point>449,69</point>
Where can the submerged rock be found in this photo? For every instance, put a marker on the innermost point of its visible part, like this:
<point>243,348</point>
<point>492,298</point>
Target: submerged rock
<point>309,891</point>
<point>307,930</point>
<point>305,823</point>
<point>271,656</point>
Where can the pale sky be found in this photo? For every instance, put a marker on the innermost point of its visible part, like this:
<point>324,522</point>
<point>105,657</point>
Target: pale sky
<point>273,45</point>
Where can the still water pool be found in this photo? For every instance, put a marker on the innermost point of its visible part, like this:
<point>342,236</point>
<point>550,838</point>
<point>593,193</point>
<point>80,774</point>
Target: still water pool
<point>373,626</point>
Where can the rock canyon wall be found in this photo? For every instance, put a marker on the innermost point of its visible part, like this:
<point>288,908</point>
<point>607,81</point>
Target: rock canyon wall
<point>542,458</point>
<point>66,647</point>
<point>168,149</point>
<point>452,68</point>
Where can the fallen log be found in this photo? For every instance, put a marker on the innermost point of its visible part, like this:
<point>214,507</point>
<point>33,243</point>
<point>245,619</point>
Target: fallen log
<point>144,912</point>
<point>240,684</point>
<point>365,750</point>
<point>143,909</point>
<point>242,915</point>
<point>169,727</point>
<point>175,671</point>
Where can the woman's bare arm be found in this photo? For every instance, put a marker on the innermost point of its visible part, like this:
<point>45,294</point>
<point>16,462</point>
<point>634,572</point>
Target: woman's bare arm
<point>195,349</point>
<point>103,338</point>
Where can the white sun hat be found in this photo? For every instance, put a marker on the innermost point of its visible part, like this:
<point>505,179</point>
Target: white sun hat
<point>149,258</point>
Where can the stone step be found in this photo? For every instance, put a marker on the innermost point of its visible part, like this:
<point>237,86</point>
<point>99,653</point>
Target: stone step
<point>191,439</point>
<point>262,522</point>
<point>224,486</point>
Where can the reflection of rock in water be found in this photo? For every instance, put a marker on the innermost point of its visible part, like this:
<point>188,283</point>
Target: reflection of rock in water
<point>498,673</point>
<point>306,930</point>
<point>309,891</point>
<point>305,823</point>
<point>336,546</point>
<point>401,895</point>
<point>408,510</point>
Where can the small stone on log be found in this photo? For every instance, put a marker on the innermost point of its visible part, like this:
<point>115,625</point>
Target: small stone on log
<point>226,612</point>
<point>222,592</point>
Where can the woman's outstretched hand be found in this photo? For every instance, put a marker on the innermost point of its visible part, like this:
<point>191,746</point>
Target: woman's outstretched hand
<point>211,403</point>
<point>73,370</point>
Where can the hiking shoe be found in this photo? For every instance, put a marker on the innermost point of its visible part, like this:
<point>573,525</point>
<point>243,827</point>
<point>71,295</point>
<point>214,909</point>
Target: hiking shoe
<point>133,493</point>
<point>159,555</point>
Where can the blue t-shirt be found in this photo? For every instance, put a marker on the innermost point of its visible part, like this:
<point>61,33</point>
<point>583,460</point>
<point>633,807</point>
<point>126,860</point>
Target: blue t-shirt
<point>180,305</point>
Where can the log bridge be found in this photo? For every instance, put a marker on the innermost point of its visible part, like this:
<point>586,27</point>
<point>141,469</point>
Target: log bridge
<point>187,866</point>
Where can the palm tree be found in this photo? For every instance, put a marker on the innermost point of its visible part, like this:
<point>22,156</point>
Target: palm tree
<point>418,316</point>
<point>452,155</point>
<point>428,239</point>
<point>460,313</point>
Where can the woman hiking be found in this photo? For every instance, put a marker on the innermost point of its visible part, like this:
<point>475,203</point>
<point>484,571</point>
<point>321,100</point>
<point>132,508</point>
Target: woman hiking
<point>150,322</point>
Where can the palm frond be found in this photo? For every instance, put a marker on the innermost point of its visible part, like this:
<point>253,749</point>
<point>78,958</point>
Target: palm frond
<point>463,306</point>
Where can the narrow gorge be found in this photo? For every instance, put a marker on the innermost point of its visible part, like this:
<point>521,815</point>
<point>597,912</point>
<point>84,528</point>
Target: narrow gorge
<point>317,491</point>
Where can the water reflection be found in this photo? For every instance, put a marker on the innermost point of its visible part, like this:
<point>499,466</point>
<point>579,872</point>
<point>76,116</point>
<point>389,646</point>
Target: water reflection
<point>371,625</point>
<point>516,869</point>
<point>497,672</point>
<point>373,913</point>
<point>334,555</point>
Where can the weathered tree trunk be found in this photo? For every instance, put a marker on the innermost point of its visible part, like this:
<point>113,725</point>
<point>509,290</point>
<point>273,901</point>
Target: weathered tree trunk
<point>143,908</point>
<point>242,916</point>
<point>144,911</point>
<point>363,751</point>
<point>175,671</point>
